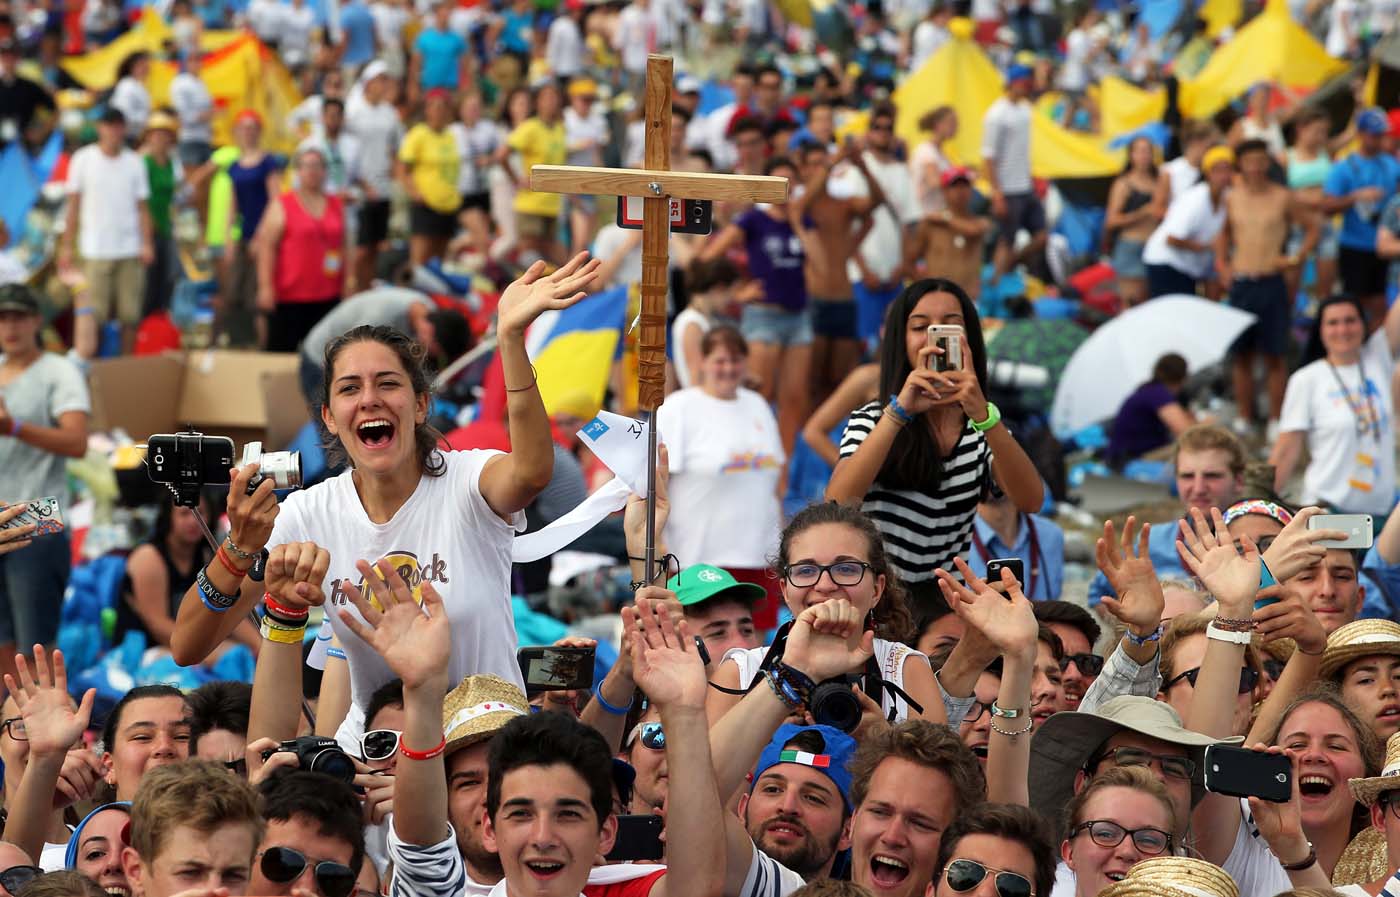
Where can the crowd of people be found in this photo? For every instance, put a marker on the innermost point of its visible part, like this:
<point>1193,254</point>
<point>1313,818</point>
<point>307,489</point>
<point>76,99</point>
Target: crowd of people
<point>891,686</point>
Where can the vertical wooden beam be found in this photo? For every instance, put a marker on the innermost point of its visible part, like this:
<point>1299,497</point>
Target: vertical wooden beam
<point>656,234</point>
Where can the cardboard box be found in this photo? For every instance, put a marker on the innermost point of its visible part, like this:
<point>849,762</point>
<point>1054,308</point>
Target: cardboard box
<point>245,396</point>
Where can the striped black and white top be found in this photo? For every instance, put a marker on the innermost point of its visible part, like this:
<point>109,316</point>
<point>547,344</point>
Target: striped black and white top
<point>923,531</point>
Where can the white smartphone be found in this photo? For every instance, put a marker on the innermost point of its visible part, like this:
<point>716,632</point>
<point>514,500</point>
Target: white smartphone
<point>948,337</point>
<point>1356,526</point>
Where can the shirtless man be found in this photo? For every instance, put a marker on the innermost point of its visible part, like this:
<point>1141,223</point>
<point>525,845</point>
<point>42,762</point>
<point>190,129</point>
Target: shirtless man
<point>835,222</point>
<point>1250,262</point>
<point>951,241</point>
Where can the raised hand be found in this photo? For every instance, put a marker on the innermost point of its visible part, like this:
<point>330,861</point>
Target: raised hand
<point>1004,619</point>
<point>296,572</point>
<point>1290,617</point>
<point>829,639</point>
<point>1140,601</point>
<point>634,516</point>
<point>665,662</point>
<point>51,722</point>
<point>1295,549</point>
<point>415,642</point>
<point>1231,577</point>
<point>532,294</point>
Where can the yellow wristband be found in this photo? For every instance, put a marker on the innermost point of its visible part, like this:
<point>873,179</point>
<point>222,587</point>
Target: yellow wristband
<point>283,636</point>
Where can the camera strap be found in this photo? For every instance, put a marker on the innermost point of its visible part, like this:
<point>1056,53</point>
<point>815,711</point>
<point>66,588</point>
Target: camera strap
<point>775,653</point>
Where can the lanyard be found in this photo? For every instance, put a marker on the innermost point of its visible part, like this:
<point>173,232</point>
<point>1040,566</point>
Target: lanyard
<point>1037,559</point>
<point>1363,406</point>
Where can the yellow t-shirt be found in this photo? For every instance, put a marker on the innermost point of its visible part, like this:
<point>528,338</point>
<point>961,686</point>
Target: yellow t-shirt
<point>432,160</point>
<point>538,144</point>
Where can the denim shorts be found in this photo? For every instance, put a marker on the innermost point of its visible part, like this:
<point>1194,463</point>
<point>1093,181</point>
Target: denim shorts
<point>763,323</point>
<point>1327,245</point>
<point>1127,259</point>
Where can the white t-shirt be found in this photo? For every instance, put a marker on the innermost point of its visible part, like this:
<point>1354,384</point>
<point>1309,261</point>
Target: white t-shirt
<point>1181,175</point>
<point>134,101</point>
<point>1343,25</point>
<point>1332,415</point>
<point>722,149</point>
<point>294,41</point>
<point>930,196</point>
<point>609,243</point>
<point>378,129</point>
<point>1006,139</point>
<point>110,190</point>
<point>635,37</point>
<point>683,321</point>
<point>475,143</point>
<point>445,533</point>
<point>579,128</point>
<point>726,456</point>
<point>1191,216</point>
<point>928,38</point>
<point>389,22</point>
<point>1251,864</point>
<point>1074,74</point>
<point>265,18</point>
<point>192,101</point>
<point>564,47</point>
<point>882,248</point>
<point>890,656</point>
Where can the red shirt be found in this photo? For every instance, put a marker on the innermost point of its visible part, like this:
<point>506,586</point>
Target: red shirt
<point>311,254</point>
<point>636,887</point>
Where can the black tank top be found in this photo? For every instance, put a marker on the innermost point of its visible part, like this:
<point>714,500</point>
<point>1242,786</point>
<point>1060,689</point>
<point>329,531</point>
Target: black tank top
<point>180,582</point>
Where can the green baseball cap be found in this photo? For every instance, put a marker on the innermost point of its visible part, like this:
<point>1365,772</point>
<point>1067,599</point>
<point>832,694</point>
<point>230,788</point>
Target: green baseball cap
<point>701,582</point>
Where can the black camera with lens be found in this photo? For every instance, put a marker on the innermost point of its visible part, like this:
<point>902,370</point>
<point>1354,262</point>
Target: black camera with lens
<point>318,754</point>
<point>834,703</point>
<point>190,460</point>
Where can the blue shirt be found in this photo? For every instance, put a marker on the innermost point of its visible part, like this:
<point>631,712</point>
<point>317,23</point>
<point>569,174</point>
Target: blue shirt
<point>358,26</point>
<point>1044,575</point>
<point>1161,548</point>
<point>1380,579</point>
<point>516,29</point>
<point>1351,174</point>
<point>441,52</point>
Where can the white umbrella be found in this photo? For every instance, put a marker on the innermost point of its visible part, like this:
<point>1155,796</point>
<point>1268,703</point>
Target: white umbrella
<point>1118,357</point>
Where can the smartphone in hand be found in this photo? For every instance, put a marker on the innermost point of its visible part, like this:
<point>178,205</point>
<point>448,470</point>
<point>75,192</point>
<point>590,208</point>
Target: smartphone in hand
<point>548,668</point>
<point>1240,772</point>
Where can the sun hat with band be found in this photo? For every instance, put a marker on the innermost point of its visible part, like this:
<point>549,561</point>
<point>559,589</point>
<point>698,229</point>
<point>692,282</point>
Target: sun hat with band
<point>478,708</point>
<point>1068,741</point>
<point>1173,877</point>
<point>834,761</point>
<point>1360,638</point>
<point>701,582</point>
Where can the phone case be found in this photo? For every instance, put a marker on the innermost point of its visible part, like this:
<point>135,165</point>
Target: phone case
<point>44,513</point>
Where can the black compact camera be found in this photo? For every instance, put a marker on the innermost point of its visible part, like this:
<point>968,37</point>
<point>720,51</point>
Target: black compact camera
<point>187,461</point>
<point>834,703</point>
<point>318,754</point>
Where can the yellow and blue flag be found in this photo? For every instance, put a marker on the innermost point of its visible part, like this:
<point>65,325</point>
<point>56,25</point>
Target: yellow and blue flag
<point>573,349</point>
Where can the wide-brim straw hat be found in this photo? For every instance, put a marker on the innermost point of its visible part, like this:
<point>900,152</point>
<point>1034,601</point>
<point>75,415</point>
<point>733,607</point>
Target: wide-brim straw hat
<point>1365,860</point>
<point>1066,742</point>
<point>1361,638</point>
<point>1173,877</point>
<point>478,708</point>
<point>1367,789</point>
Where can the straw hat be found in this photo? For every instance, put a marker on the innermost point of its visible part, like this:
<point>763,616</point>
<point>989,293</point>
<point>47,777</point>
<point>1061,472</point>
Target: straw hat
<point>1173,877</point>
<point>1362,638</point>
<point>478,708</point>
<point>162,121</point>
<point>1366,790</point>
<point>1365,860</point>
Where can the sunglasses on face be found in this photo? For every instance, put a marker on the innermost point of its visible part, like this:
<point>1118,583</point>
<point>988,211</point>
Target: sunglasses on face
<point>653,736</point>
<point>964,875</point>
<point>1088,664</point>
<point>1106,833</point>
<point>1172,766</point>
<point>843,573</point>
<point>379,744</point>
<point>284,864</point>
<point>1249,677</point>
<point>16,877</point>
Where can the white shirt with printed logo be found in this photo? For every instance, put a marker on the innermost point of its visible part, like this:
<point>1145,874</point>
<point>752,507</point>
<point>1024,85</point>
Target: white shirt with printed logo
<point>445,533</point>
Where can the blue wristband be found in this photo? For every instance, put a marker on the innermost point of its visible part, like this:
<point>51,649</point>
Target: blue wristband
<point>338,653</point>
<point>898,409</point>
<point>207,603</point>
<point>612,708</point>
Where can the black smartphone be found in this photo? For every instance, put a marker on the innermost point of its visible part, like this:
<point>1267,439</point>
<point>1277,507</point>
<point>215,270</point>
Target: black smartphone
<point>638,838</point>
<point>1240,772</point>
<point>547,668</point>
<point>996,565</point>
<point>189,458</point>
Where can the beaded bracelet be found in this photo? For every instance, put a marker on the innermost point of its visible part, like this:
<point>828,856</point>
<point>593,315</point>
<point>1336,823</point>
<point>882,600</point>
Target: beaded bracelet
<point>1229,625</point>
<point>1000,731</point>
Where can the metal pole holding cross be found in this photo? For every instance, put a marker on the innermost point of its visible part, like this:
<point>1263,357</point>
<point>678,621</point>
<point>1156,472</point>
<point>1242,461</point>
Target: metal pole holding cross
<point>657,185</point>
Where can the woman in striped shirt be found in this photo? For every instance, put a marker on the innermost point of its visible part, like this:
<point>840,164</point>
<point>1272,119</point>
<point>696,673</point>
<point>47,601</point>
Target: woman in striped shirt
<point>919,461</point>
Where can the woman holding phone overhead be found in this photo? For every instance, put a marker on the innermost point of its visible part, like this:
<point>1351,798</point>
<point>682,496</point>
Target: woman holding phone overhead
<point>919,460</point>
<point>403,503</point>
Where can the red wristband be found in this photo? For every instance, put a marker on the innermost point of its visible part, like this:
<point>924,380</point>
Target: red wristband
<point>228,564</point>
<point>284,611</point>
<point>423,755</point>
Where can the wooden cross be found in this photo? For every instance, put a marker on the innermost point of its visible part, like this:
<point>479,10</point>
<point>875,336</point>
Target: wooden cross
<point>657,185</point>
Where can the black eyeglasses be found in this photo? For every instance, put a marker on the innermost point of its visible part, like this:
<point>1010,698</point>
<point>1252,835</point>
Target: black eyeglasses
<point>975,711</point>
<point>1172,765</point>
<point>379,744</point>
<point>964,875</point>
<point>284,864</point>
<point>1273,667</point>
<point>1088,664</point>
<point>1106,833</point>
<point>16,877</point>
<point>653,736</point>
<point>1249,677</point>
<point>843,573</point>
<point>14,726</point>
<point>1389,802</point>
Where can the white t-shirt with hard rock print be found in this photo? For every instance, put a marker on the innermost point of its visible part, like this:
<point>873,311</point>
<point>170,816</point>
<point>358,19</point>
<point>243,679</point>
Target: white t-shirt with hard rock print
<point>445,534</point>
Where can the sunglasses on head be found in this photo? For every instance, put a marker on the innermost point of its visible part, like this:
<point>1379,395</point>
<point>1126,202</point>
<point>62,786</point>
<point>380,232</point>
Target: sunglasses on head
<point>1088,664</point>
<point>1249,677</point>
<point>379,744</point>
<point>16,877</point>
<point>284,864</point>
<point>964,875</point>
<point>653,736</point>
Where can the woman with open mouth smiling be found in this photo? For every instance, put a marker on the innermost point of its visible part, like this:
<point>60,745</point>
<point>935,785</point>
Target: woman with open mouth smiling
<point>404,503</point>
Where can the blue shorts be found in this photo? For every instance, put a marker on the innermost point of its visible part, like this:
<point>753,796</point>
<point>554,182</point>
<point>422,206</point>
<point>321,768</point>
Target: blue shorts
<point>771,324</point>
<point>1023,212</point>
<point>1164,280</point>
<point>1267,299</point>
<point>30,581</point>
<point>1327,245</point>
<point>834,318</point>
<point>1127,259</point>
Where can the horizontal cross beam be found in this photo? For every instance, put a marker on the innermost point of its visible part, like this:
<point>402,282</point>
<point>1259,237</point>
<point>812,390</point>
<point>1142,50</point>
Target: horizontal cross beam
<point>638,182</point>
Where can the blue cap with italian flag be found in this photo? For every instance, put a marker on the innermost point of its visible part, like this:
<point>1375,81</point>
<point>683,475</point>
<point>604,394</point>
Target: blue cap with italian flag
<point>833,760</point>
